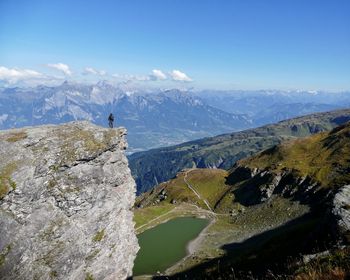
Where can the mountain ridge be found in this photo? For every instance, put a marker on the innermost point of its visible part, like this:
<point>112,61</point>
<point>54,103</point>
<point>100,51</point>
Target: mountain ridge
<point>160,117</point>
<point>153,118</point>
<point>152,167</point>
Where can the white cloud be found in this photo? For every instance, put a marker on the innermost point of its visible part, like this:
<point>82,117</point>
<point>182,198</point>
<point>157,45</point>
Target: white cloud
<point>64,68</point>
<point>158,75</point>
<point>180,76</point>
<point>15,75</point>
<point>90,70</point>
<point>26,77</point>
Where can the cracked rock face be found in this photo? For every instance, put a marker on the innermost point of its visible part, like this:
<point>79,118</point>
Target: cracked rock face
<point>66,195</point>
<point>341,211</point>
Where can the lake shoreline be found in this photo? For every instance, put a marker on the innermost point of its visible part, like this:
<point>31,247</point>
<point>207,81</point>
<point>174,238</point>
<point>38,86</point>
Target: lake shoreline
<point>188,248</point>
<point>194,244</point>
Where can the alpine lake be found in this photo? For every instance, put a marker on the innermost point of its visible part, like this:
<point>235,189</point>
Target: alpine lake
<point>166,244</point>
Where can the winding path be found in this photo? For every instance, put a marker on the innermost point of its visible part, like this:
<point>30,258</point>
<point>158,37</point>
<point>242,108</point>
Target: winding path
<point>172,210</point>
<point>156,218</point>
<point>194,191</point>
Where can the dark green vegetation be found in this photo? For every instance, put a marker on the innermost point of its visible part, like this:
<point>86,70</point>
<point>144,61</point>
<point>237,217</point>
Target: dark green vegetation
<point>269,211</point>
<point>155,166</point>
<point>165,244</point>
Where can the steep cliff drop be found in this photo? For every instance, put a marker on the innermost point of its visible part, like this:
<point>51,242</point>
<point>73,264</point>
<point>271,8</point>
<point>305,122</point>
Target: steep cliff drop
<point>66,195</point>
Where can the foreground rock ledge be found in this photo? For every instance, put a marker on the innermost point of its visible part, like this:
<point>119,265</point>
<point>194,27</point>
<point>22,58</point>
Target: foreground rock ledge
<point>65,197</point>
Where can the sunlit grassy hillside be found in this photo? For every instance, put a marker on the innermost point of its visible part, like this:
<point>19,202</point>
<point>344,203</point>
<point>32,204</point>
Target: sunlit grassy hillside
<point>325,157</point>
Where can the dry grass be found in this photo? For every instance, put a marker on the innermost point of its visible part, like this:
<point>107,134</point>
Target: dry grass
<point>76,142</point>
<point>144,215</point>
<point>323,156</point>
<point>16,136</point>
<point>6,183</point>
<point>335,266</point>
<point>209,183</point>
<point>175,189</point>
<point>99,235</point>
<point>336,273</point>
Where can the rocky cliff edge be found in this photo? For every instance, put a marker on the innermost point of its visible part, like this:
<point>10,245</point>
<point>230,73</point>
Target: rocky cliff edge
<point>66,195</point>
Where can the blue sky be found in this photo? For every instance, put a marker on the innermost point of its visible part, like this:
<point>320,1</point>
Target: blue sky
<point>246,44</point>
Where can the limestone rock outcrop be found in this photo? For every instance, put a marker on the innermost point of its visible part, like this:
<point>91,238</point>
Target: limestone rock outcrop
<point>341,212</point>
<point>66,195</point>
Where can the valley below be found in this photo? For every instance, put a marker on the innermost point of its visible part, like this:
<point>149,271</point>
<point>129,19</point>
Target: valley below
<point>229,224</point>
<point>270,213</point>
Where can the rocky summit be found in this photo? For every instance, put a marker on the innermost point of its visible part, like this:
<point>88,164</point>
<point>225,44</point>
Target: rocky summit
<point>66,195</point>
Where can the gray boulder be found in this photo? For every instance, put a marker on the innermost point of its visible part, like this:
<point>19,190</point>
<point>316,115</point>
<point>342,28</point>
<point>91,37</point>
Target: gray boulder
<point>341,212</point>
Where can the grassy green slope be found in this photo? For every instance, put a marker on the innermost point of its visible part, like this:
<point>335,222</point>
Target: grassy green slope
<point>159,165</point>
<point>325,157</point>
<point>208,183</point>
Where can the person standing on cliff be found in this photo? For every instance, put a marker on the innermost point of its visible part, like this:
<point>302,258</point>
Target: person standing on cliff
<point>110,120</point>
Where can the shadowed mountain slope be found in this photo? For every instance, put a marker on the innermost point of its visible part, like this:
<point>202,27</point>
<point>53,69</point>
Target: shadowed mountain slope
<point>155,166</point>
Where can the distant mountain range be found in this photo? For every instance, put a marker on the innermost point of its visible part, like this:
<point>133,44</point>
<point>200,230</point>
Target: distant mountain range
<point>157,118</point>
<point>152,167</point>
<point>153,119</point>
<point>270,106</point>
